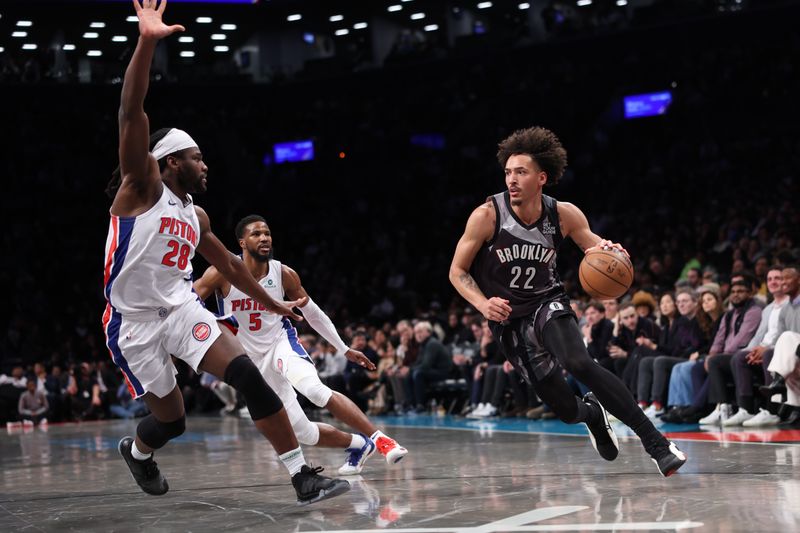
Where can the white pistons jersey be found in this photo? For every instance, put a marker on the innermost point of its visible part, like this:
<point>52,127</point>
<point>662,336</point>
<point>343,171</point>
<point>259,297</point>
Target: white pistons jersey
<point>148,268</point>
<point>259,329</point>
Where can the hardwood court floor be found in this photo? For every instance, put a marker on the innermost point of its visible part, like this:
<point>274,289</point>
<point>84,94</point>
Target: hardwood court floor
<point>477,477</point>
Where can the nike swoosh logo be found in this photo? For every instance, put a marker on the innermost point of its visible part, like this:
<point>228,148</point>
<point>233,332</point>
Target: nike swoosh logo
<point>170,202</point>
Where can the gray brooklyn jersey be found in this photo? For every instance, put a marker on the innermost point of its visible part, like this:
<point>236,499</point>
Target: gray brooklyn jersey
<point>519,262</point>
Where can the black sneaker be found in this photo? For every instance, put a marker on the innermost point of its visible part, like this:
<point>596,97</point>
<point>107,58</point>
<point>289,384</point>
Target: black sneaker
<point>601,433</point>
<point>145,473</point>
<point>311,487</point>
<point>667,457</point>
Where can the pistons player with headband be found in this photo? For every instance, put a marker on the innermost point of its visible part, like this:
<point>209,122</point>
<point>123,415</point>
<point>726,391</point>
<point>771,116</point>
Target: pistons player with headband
<point>271,341</point>
<point>151,311</point>
<point>510,246</point>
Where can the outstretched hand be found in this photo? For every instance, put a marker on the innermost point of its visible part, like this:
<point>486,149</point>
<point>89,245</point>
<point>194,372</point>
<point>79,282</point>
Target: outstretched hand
<point>359,358</point>
<point>150,24</point>
<point>285,308</point>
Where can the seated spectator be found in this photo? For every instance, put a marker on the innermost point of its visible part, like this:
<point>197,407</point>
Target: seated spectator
<point>330,366</point>
<point>33,405</point>
<point>434,364</point>
<point>223,391</point>
<point>786,364</point>
<point>597,334</point>
<point>127,408</point>
<point>674,346</point>
<point>11,388</point>
<point>611,305</point>
<point>407,352</point>
<point>645,304</point>
<point>84,395</point>
<point>356,377</point>
<point>737,328</point>
<point>681,389</point>
<point>625,348</point>
<point>491,376</point>
<point>380,399</point>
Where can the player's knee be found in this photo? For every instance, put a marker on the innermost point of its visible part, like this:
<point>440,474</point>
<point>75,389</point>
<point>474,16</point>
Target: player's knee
<point>156,433</point>
<point>306,432</point>
<point>243,375</point>
<point>317,392</point>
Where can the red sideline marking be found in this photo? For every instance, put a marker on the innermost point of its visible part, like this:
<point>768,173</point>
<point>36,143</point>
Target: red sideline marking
<point>780,435</point>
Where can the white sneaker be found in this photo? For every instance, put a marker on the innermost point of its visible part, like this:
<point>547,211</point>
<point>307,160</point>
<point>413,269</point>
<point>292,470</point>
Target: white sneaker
<point>27,423</point>
<point>712,419</point>
<point>491,410</point>
<point>652,412</point>
<point>478,411</point>
<point>762,418</point>
<point>356,457</point>
<point>738,419</point>
<point>244,412</point>
<point>717,415</point>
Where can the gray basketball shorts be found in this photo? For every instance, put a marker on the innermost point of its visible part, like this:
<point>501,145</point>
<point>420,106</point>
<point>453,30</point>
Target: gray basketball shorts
<point>522,342</point>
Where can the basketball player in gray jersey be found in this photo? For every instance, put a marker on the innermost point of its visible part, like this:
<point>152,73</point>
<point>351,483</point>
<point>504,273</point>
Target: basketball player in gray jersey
<point>505,266</point>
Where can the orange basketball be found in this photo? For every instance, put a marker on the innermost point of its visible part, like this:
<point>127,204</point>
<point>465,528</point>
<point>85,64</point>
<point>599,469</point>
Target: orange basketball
<point>606,273</point>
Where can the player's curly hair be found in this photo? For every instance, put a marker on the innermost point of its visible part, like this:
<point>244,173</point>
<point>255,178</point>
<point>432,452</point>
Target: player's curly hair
<point>542,145</point>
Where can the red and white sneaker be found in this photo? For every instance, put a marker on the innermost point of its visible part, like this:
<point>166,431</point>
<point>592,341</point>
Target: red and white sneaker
<point>389,448</point>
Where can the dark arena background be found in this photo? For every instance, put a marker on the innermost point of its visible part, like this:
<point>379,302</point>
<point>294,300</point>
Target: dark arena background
<point>365,133</point>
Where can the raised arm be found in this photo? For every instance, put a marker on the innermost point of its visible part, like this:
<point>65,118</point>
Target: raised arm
<point>233,270</point>
<point>575,226</point>
<point>138,168</point>
<point>480,228</point>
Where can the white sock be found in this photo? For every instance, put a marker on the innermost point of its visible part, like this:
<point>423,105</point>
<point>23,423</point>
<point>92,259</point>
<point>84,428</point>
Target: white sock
<point>293,460</point>
<point>357,442</point>
<point>139,456</point>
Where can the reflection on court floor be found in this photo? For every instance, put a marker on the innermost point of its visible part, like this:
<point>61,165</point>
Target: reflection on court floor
<point>472,476</point>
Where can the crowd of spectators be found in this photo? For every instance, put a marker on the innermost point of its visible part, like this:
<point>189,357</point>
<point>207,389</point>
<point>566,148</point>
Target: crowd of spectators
<point>704,191</point>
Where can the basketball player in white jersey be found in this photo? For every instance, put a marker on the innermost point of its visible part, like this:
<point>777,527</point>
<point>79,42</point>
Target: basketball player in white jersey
<point>271,341</point>
<point>510,246</point>
<point>151,311</point>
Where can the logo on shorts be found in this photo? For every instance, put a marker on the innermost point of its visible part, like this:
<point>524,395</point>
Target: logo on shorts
<point>555,306</point>
<point>201,331</point>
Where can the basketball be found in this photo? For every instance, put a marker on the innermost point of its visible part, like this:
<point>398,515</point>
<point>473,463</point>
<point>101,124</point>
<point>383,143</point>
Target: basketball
<point>606,273</point>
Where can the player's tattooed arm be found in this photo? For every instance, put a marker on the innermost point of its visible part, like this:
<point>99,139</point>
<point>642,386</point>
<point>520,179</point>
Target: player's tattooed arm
<point>467,281</point>
<point>479,230</point>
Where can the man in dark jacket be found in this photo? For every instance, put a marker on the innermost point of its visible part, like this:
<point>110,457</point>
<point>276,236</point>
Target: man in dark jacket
<point>433,364</point>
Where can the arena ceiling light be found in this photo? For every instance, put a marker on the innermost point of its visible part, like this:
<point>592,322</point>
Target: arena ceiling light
<point>336,18</point>
<point>524,5</point>
<point>394,7</point>
<point>185,39</point>
<point>417,16</point>
<point>94,53</point>
<point>622,3</point>
<point>19,34</point>
<point>204,20</point>
<point>119,39</point>
<point>132,18</point>
<point>484,5</point>
<point>343,31</point>
<point>431,27</point>
<point>294,18</point>
<point>24,23</point>
<point>228,27</point>
<point>68,47</point>
<point>91,35</point>
<point>360,25</point>
<point>218,36</point>
<point>584,3</point>
<point>2,49</point>
<point>97,25</point>
<point>221,48</point>
<point>187,53</point>
<point>29,46</point>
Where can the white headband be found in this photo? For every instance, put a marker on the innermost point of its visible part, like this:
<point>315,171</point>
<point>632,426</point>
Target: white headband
<point>172,142</point>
